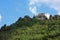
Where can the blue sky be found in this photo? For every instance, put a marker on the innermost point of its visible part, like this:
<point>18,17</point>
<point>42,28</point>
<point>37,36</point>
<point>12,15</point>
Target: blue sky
<point>11,10</point>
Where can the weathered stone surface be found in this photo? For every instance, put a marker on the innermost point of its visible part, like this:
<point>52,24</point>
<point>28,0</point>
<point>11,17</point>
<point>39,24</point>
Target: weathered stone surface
<point>41,17</point>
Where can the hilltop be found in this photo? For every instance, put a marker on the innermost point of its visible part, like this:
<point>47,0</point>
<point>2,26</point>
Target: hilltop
<point>36,28</point>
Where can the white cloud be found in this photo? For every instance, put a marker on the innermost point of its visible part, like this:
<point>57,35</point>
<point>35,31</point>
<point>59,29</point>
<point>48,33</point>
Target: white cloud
<point>32,7</point>
<point>33,10</point>
<point>0,17</point>
<point>55,4</point>
<point>33,2</point>
<point>47,15</point>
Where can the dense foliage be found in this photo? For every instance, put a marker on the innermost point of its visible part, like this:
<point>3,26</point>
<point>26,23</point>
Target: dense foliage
<point>32,29</point>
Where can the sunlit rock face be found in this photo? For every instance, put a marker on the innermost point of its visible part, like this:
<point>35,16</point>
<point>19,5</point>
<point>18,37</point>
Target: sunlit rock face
<point>41,16</point>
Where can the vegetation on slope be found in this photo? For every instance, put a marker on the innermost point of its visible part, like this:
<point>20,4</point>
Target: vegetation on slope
<point>32,29</point>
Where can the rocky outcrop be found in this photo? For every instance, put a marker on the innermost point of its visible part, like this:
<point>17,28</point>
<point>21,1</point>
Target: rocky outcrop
<point>41,17</point>
<point>27,18</point>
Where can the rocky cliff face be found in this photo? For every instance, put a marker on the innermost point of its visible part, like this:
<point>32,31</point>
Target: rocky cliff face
<point>41,17</point>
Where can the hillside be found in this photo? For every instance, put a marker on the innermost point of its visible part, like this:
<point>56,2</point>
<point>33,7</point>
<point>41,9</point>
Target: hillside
<point>32,29</point>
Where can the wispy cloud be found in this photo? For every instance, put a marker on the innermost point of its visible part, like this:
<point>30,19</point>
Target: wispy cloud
<point>54,4</point>
<point>0,17</point>
<point>33,10</point>
<point>32,7</point>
